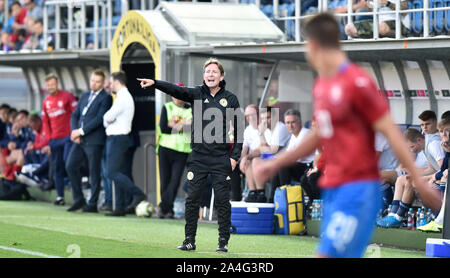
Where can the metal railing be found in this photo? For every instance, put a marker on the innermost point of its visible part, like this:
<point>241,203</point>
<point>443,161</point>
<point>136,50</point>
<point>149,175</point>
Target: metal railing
<point>67,22</point>
<point>375,13</point>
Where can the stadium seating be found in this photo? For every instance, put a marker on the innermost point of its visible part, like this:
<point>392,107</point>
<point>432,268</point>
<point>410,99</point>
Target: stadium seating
<point>447,17</point>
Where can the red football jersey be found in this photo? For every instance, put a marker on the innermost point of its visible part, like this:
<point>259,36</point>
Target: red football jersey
<point>56,112</point>
<point>345,107</point>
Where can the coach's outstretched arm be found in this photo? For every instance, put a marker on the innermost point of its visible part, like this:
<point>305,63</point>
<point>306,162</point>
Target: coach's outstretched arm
<point>182,93</point>
<point>430,197</point>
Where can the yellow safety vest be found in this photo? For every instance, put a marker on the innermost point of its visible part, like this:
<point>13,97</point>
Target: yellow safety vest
<point>179,142</point>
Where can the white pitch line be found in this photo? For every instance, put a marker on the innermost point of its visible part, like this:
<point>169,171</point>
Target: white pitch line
<point>27,252</point>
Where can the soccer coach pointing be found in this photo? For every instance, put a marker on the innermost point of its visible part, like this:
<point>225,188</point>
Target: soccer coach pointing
<point>212,106</point>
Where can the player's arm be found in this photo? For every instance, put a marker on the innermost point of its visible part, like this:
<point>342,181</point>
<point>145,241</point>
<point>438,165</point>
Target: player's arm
<point>386,125</point>
<point>263,170</point>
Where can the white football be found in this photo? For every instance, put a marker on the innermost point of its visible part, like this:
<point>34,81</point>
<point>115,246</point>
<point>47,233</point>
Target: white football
<point>144,209</point>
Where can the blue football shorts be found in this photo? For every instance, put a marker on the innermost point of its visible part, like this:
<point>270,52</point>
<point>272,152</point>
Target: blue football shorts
<point>349,215</point>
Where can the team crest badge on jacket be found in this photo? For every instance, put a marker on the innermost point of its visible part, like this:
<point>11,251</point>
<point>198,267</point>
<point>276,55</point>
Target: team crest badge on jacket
<point>223,102</point>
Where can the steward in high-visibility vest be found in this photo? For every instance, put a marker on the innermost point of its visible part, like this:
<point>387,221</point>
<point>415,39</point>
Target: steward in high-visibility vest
<point>173,150</point>
<point>175,140</point>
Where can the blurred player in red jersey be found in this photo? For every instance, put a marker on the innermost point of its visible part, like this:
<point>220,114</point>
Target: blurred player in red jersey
<point>348,110</point>
<point>57,108</point>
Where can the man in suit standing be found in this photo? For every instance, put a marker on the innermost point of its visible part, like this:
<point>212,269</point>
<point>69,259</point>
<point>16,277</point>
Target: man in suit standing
<point>89,137</point>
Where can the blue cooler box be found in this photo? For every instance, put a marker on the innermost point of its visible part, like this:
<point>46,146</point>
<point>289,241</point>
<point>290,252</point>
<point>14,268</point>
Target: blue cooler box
<point>252,218</point>
<point>437,247</point>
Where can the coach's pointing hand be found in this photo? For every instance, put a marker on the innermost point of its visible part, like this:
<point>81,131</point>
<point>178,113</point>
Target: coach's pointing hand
<point>145,82</point>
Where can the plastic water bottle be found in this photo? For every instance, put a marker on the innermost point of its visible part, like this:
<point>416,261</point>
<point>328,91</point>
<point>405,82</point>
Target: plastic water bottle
<point>410,224</point>
<point>320,211</point>
<point>429,216</point>
<point>418,217</point>
<point>422,217</point>
<point>314,210</point>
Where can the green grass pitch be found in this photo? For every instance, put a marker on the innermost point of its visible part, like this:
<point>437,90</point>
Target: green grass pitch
<point>37,229</point>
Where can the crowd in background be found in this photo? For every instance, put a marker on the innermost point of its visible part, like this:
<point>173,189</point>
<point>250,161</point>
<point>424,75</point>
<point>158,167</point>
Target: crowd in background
<point>24,28</point>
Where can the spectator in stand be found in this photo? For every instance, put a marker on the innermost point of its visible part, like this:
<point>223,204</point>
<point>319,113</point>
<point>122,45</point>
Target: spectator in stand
<point>293,122</point>
<point>273,137</point>
<point>441,177</point>
<point>18,13</point>
<point>404,189</point>
<point>340,7</point>
<point>89,137</point>
<point>33,10</point>
<point>386,22</point>
<point>173,150</point>
<point>2,13</point>
<point>57,109</point>
<point>35,40</point>
<point>21,36</point>
<point>14,11</point>
<point>5,42</point>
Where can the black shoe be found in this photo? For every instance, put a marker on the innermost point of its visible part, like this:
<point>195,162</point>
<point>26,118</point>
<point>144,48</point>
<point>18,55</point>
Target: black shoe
<point>223,246</point>
<point>116,213</point>
<point>106,208</point>
<point>59,202</point>
<point>261,197</point>
<point>251,197</point>
<point>136,200</point>
<point>47,187</point>
<point>88,208</point>
<point>188,245</point>
<point>77,205</point>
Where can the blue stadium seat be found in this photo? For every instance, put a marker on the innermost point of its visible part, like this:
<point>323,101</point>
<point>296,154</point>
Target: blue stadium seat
<point>447,17</point>
<point>437,16</point>
<point>417,18</point>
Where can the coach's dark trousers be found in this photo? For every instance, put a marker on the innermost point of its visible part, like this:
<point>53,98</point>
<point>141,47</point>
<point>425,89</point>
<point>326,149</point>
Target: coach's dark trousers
<point>77,155</point>
<point>116,148</point>
<point>199,166</point>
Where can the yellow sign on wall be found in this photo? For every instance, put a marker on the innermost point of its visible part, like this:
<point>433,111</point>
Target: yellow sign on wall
<point>134,28</point>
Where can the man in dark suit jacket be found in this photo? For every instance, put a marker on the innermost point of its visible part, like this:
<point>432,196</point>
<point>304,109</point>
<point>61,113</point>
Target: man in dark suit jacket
<point>89,137</point>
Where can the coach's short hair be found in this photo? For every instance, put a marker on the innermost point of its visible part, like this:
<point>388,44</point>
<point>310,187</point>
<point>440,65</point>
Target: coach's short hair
<point>412,134</point>
<point>294,112</point>
<point>324,29</point>
<point>428,115</point>
<point>216,62</point>
<point>119,76</point>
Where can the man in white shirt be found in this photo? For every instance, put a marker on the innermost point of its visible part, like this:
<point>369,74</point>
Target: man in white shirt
<point>404,189</point>
<point>251,143</point>
<point>117,121</point>
<point>387,164</point>
<point>293,122</point>
<point>273,137</point>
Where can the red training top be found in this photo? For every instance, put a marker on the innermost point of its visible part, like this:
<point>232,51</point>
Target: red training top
<point>56,112</point>
<point>346,106</point>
